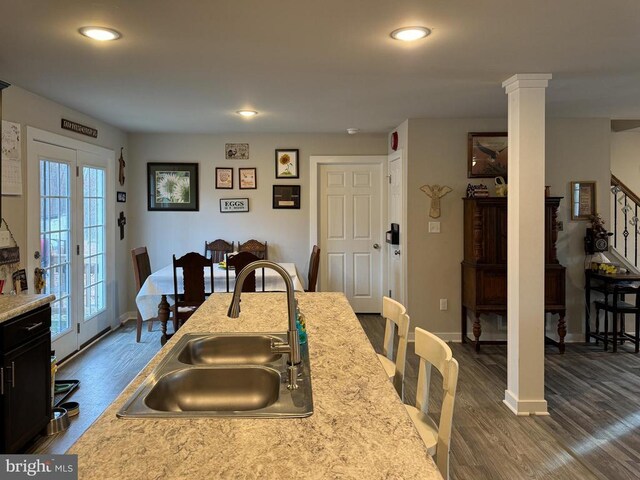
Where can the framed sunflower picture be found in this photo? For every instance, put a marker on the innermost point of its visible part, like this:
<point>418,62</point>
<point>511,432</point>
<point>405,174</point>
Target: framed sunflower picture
<point>172,187</point>
<point>287,163</point>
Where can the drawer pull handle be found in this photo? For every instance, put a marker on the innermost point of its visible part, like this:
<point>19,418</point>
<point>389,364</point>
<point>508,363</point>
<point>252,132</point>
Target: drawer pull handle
<point>13,374</point>
<point>2,381</point>
<point>34,326</point>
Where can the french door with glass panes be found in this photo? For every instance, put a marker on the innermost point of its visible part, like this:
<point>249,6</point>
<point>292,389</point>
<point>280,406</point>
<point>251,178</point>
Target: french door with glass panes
<point>68,192</point>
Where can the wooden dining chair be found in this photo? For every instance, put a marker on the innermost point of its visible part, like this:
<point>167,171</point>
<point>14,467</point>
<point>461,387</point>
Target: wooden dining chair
<point>238,262</point>
<point>193,270</point>
<point>437,438</point>
<point>217,249</point>
<point>396,318</point>
<point>141,271</point>
<point>255,247</point>
<point>314,264</point>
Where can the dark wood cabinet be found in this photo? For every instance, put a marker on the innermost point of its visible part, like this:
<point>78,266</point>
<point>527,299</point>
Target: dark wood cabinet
<point>25,371</point>
<point>484,268</point>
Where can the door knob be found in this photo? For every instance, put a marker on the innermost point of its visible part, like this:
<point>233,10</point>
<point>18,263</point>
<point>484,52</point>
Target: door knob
<point>376,246</point>
<point>396,252</point>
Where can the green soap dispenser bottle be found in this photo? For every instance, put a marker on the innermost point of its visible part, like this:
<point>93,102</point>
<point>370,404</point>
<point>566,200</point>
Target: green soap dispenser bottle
<point>301,325</point>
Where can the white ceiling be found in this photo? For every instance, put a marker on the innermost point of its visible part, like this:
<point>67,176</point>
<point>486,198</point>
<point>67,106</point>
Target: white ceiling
<point>319,66</point>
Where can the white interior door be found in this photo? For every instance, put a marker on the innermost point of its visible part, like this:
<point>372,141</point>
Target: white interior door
<point>394,252</point>
<point>69,237</point>
<point>351,233</point>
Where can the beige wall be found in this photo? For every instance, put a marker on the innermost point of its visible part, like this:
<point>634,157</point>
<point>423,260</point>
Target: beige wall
<point>577,149</point>
<point>287,231</point>
<point>625,158</point>
<point>625,164</point>
<point>28,109</point>
<point>434,152</point>
<point>438,154</point>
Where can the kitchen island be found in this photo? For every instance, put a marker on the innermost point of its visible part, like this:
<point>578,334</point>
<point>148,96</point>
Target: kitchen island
<point>359,428</point>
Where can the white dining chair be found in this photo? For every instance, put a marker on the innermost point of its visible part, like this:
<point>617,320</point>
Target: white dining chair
<point>396,317</point>
<point>437,438</point>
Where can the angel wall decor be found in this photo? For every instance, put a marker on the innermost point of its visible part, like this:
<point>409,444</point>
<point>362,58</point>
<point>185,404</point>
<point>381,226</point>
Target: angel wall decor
<point>435,192</point>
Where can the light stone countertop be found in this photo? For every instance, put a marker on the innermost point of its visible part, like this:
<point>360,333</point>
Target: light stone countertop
<point>13,305</point>
<point>359,428</point>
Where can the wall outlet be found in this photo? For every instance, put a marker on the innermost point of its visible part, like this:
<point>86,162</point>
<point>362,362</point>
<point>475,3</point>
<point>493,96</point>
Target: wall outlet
<point>444,304</point>
<point>434,227</point>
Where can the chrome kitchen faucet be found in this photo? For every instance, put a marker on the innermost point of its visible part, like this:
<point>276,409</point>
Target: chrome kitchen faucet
<point>292,348</point>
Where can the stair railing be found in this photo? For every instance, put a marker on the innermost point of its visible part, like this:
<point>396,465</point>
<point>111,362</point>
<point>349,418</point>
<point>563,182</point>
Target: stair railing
<point>626,223</point>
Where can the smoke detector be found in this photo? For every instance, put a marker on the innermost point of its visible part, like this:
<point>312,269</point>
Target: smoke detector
<point>352,131</point>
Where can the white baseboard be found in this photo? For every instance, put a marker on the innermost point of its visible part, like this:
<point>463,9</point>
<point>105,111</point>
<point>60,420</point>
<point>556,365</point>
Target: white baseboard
<point>524,408</point>
<point>126,316</point>
<point>447,337</point>
<point>455,337</point>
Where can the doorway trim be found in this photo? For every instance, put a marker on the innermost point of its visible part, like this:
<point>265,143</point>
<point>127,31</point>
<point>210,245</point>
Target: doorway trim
<point>315,161</point>
<point>404,291</point>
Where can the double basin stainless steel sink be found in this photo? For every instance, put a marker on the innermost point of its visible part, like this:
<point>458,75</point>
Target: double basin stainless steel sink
<point>223,375</point>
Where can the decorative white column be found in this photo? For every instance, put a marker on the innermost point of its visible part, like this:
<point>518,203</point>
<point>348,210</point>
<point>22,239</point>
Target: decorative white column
<point>525,244</point>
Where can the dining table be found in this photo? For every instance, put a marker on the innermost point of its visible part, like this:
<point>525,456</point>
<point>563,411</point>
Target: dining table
<point>153,298</point>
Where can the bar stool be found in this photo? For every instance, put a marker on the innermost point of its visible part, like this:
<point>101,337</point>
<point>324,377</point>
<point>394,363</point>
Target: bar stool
<point>396,316</point>
<point>437,438</point>
<point>619,308</point>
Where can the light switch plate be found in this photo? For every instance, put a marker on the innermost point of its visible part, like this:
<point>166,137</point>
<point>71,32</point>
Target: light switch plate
<point>444,304</point>
<point>434,227</point>
<point>5,239</point>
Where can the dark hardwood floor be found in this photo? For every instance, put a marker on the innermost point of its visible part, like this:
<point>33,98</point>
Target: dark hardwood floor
<point>104,370</point>
<point>593,430</point>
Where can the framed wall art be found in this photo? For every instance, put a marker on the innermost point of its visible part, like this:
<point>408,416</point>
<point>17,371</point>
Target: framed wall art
<point>247,178</point>
<point>487,154</point>
<point>224,178</point>
<point>583,200</point>
<point>287,165</point>
<point>172,187</point>
<point>236,151</point>
<point>121,197</point>
<point>286,196</point>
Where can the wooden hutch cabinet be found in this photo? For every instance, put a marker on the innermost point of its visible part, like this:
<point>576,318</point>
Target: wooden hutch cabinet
<point>484,268</point>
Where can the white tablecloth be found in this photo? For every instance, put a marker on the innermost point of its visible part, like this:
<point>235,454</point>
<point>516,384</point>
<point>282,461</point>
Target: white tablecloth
<point>161,283</point>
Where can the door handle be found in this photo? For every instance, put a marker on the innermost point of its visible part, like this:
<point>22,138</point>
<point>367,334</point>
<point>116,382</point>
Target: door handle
<point>376,246</point>
<point>396,252</point>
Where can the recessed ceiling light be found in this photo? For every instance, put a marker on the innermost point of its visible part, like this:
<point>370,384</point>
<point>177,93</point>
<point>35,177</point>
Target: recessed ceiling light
<point>409,34</point>
<point>101,34</point>
<point>247,113</point>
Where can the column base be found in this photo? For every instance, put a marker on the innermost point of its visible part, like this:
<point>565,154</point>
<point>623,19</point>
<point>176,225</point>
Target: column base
<point>524,408</point>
